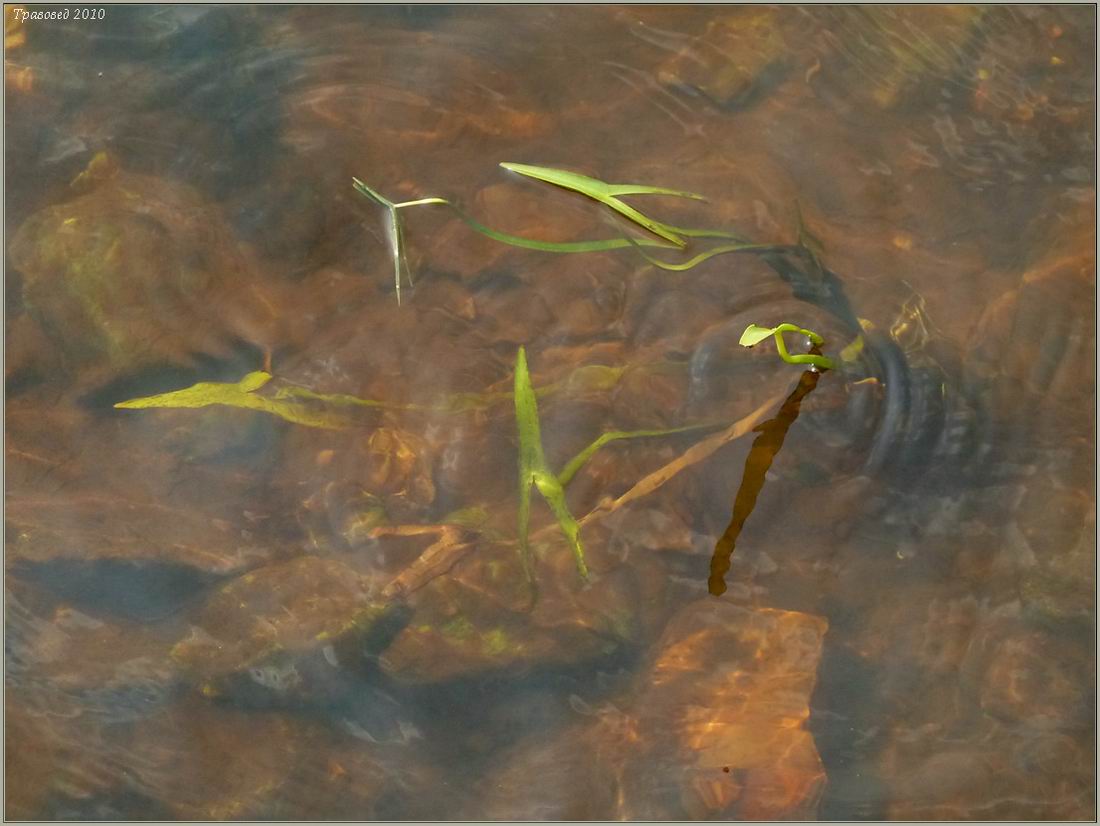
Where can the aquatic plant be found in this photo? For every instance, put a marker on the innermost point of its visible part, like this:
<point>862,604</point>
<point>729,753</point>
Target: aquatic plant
<point>306,407</point>
<point>754,334</point>
<point>671,237</point>
<point>396,234</point>
<point>289,403</point>
<point>333,411</point>
<point>534,470</point>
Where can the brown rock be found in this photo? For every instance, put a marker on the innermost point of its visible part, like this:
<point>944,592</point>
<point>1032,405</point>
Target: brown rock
<point>726,703</point>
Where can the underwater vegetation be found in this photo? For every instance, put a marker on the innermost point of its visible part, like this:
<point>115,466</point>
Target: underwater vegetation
<point>302,406</point>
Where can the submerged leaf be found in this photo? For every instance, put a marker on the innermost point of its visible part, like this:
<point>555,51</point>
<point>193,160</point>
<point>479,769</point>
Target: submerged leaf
<point>534,471</point>
<point>292,404</point>
<point>204,394</point>
<point>554,494</point>
<point>531,459</point>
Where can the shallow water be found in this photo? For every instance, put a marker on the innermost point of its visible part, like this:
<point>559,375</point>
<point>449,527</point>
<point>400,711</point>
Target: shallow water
<point>219,613</point>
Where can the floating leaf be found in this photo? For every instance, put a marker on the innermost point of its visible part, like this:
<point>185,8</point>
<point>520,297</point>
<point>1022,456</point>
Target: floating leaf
<point>754,334</point>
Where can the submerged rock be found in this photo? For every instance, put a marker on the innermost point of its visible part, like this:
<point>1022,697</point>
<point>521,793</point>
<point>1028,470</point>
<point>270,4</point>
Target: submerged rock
<point>104,671</point>
<point>136,271</point>
<point>721,727</point>
<point>479,621</point>
<point>714,730</point>
<point>885,55</point>
<point>295,631</point>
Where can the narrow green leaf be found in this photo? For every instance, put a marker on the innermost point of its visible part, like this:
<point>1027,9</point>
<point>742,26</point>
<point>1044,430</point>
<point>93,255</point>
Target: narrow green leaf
<point>579,461</point>
<point>395,234</point>
<point>601,245</point>
<point>531,460</point>
<point>527,417</point>
<point>395,237</point>
<point>606,194</point>
<point>533,470</point>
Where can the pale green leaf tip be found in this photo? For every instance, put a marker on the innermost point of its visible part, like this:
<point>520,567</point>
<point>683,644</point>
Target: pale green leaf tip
<point>754,334</point>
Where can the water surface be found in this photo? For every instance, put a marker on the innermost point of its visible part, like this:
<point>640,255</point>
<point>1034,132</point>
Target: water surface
<point>218,613</point>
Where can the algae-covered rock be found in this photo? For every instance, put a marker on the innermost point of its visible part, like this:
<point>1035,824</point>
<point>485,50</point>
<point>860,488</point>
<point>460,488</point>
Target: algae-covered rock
<point>291,631</point>
<point>137,270</point>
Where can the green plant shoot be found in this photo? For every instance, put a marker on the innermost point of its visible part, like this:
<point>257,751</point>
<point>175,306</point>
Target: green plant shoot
<point>534,470</point>
<point>754,334</point>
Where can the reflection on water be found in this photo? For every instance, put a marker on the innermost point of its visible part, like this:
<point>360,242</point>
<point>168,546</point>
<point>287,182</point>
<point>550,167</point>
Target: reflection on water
<point>219,613</point>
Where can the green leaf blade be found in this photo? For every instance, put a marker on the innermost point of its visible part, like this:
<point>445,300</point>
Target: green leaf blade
<point>204,394</point>
<point>602,192</point>
<point>755,334</point>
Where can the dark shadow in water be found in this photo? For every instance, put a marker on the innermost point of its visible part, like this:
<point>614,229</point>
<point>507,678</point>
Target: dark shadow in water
<point>133,590</point>
<point>761,454</point>
<point>845,713</point>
